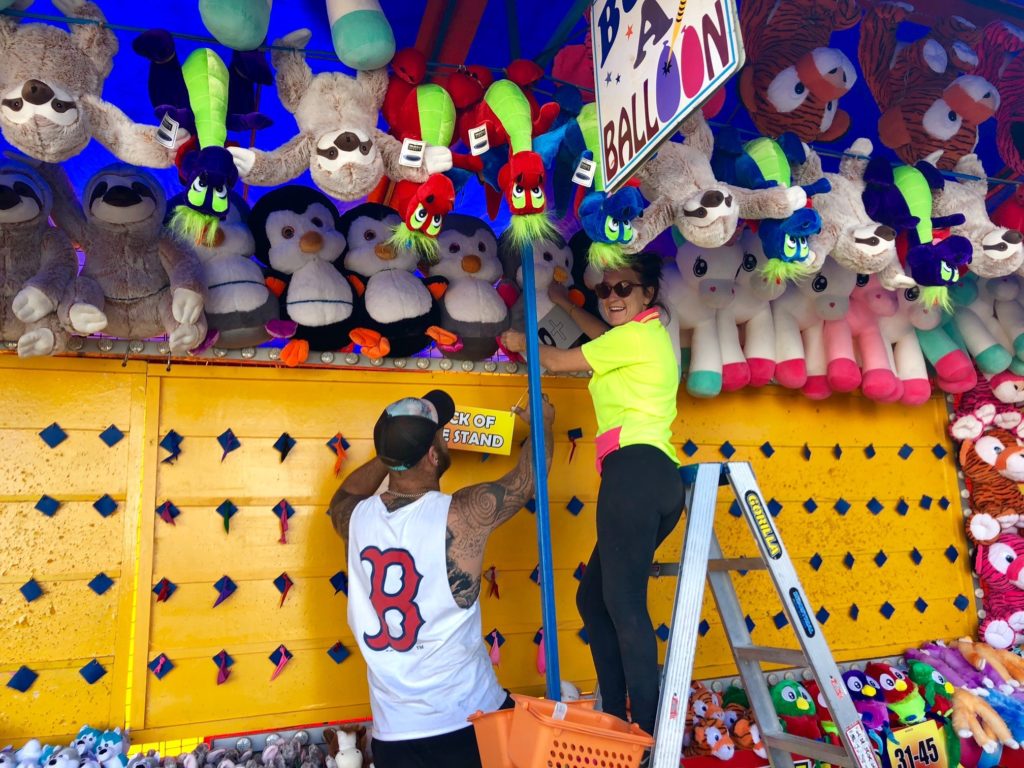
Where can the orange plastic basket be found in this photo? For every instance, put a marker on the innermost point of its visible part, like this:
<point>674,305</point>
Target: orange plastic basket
<point>493,729</point>
<point>545,734</point>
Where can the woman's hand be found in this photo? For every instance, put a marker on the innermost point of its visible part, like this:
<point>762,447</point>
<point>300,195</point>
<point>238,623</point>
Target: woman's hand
<point>559,294</point>
<point>513,341</point>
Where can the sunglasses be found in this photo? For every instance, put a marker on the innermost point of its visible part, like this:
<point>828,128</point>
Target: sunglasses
<point>623,289</point>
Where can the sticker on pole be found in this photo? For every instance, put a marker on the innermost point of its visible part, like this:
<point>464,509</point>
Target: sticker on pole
<point>480,429</point>
<point>655,62</point>
<point>763,525</point>
<point>863,751</point>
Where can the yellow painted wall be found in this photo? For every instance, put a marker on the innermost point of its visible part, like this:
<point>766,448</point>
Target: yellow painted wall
<point>61,632</point>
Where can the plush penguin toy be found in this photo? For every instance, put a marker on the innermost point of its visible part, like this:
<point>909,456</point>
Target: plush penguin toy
<point>241,311</point>
<point>297,235</point>
<point>472,307</point>
<point>402,309</point>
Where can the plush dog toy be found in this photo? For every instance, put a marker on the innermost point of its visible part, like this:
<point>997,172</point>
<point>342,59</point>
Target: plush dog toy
<point>37,267</point>
<point>50,85</point>
<point>338,141</point>
<point>140,280</point>
<point>792,81</point>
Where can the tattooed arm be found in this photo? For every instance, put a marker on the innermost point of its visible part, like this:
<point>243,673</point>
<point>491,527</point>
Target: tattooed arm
<point>479,509</point>
<point>359,485</point>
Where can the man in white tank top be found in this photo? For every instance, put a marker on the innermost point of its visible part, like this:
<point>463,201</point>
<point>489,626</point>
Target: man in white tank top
<point>415,558</point>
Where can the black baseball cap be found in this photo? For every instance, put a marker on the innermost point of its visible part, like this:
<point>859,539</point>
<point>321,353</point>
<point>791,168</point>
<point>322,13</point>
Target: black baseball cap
<point>405,430</point>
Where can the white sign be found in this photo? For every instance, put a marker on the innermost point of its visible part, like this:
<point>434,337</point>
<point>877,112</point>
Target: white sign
<point>412,153</point>
<point>655,61</point>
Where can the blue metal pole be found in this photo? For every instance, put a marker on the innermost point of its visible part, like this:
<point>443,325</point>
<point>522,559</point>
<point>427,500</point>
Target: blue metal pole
<point>540,475</point>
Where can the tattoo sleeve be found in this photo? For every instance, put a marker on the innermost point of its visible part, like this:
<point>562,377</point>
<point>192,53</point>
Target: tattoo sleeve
<point>488,505</point>
<point>357,486</point>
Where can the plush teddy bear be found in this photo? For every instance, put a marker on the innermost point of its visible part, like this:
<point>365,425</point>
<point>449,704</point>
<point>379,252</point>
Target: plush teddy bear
<point>685,192</point>
<point>298,235</point>
<point>51,83</point>
<point>926,104</point>
<point>338,140</point>
<point>403,313</point>
<point>997,251</point>
<point>38,264</point>
<point>792,81</point>
<point>848,234</point>
<point>472,308</point>
<point>139,280</point>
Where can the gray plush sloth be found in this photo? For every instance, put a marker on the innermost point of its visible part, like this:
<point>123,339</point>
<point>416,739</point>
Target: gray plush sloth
<point>37,264</point>
<point>51,83</point>
<point>338,140</point>
<point>140,280</point>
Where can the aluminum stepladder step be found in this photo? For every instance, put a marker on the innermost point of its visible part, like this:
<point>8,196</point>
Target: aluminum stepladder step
<point>702,558</point>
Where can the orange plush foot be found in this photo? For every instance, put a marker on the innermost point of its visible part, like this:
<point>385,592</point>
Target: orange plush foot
<point>442,337</point>
<point>373,345</point>
<point>295,352</point>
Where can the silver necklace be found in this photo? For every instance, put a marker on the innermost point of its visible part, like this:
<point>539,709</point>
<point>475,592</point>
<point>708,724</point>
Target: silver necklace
<point>406,495</point>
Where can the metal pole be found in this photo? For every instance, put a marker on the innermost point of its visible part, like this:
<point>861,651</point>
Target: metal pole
<point>540,475</point>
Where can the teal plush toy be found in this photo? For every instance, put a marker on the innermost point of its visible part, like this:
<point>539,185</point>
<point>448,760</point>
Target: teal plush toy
<point>362,35</point>
<point>238,24</point>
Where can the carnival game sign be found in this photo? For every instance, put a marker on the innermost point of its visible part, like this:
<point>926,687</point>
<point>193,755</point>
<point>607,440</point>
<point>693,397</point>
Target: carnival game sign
<point>480,429</point>
<point>655,61</point>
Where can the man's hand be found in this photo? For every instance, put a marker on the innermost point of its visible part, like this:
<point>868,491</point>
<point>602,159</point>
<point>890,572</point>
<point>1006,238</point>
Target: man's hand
<point>548,411</point>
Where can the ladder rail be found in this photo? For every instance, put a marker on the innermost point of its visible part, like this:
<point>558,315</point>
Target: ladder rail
<point>677,675</point>
<point>815,648</point>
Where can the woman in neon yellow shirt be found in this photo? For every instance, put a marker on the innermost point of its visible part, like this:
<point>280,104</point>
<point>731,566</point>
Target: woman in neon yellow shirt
<point>634,388</point>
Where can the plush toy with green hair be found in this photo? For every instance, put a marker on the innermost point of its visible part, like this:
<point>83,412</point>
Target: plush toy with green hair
<point>765,163</point>
<point>901,197</point>
<point>210,170</point>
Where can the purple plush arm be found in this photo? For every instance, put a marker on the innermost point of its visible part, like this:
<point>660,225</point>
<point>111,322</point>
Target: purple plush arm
<point>939,665</point>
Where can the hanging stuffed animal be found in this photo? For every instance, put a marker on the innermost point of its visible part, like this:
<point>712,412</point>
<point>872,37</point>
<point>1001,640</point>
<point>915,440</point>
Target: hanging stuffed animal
<point>241,311</point>
<point>1001,63</point>
<point>752,313</point>
<point>792,81</point>
<point>848,234</point>
<point>975,327</point>
<point>992,460</point>
<point>170,94</point>
<point>1003,584</point>
<point>37,264</point>
<point>298,235</point>
<point>361,33</point>
<point>472,308</point>
<point>901,198</point>
<point>403,313</point>
<point>765,163</point>
<point>926,104</point>
<point>997,251</point>
<point>50,85</point>
<point>338,140</point>
<point>140,280</point>
<point>900,333</point>
<point>685,192</point>
<point>238,24</point>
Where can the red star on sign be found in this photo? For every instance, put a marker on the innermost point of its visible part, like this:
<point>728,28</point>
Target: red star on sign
<point>629,31</point>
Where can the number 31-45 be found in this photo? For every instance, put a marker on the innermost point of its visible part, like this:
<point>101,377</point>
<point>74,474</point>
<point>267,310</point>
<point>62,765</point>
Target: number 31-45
<point>924,752</point>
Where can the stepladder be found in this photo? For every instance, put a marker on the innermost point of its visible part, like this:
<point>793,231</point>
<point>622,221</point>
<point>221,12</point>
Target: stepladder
<point>703,560</point>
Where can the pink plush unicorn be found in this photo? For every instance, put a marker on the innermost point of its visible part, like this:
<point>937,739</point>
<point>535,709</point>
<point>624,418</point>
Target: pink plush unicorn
<point>859,332</point>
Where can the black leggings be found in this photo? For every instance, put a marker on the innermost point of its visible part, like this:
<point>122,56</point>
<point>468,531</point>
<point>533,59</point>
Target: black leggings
<point>640,501</point>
